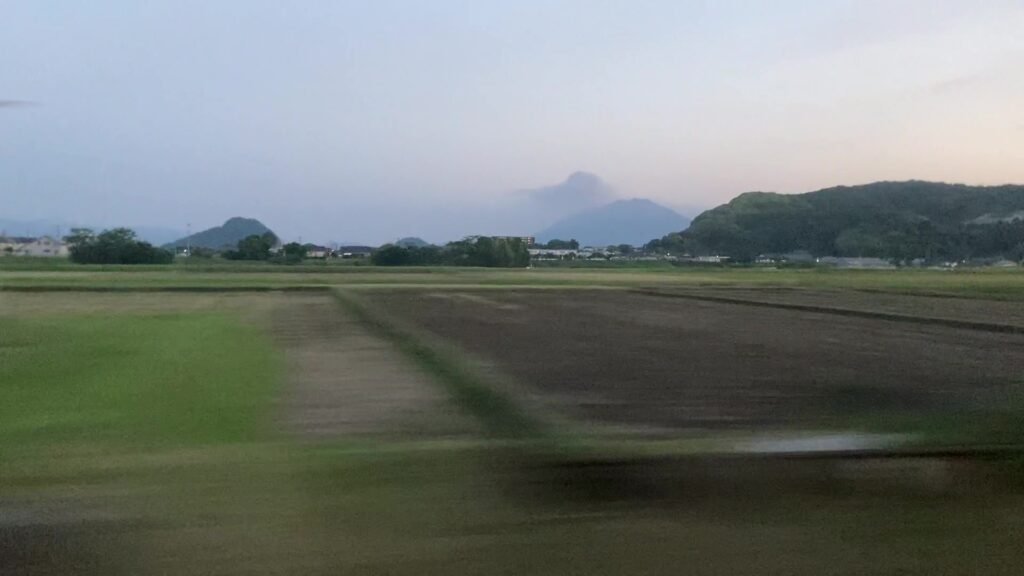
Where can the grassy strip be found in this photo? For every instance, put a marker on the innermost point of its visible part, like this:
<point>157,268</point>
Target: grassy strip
<point>500,415</point>
<point>996,285</point>
<point>168,288</point>
<point>948,322</point>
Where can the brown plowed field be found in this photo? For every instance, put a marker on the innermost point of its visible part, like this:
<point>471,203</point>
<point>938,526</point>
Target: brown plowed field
<point>995,314</point>
<point>630,358</point>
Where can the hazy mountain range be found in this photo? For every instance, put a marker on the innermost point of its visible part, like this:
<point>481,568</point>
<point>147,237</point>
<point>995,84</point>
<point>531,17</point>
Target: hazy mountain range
<point>586,208</point>
<point>583,206</point>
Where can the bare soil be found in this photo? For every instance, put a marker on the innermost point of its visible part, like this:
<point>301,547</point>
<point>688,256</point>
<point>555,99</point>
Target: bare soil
<point>982,312</point>
<point>636,359</point>
<point>341,380</point>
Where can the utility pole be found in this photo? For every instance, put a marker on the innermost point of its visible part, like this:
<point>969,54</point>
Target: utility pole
<point>188,239</point>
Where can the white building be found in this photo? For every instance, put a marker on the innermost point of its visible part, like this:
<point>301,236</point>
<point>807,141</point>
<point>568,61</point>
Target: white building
<point>553,253</point>
<point>45,246</point>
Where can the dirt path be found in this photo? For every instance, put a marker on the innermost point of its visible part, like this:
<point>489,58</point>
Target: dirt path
<point>341,380</point>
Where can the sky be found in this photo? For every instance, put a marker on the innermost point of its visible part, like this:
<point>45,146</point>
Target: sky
<point>367,121</point>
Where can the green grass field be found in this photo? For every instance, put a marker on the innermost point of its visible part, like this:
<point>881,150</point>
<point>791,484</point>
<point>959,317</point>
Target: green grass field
<point>147,380</point>
<point>996,284</point>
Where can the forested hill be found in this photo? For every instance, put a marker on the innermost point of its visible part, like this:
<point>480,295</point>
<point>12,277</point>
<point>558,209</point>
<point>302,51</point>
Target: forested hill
<point>897,220</point>
<point>225,236</point>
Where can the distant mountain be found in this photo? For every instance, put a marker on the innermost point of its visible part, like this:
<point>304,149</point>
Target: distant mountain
<point>225,236</point>
<point>898,220</point>
<point>580,190</point>
<point>622,222</point>
<point>523,211</point>
<point>411,241</point>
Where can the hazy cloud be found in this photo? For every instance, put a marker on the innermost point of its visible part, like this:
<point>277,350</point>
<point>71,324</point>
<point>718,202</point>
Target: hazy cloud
<point>958,83</point>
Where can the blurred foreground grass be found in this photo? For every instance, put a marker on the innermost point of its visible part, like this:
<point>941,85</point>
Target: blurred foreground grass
<point>145,444</point>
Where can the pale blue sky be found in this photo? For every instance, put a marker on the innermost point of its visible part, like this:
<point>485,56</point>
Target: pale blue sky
<point>369,120</point>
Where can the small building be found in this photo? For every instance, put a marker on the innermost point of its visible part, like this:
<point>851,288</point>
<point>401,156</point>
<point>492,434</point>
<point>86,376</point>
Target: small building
<point>861,263</point>
<point>553,253</point>
<point>715,259</point>
<point>9,244</point>
<point>316,251</point>
<point>44,246</point>
<point>528,240</point>
<point>353,252</point>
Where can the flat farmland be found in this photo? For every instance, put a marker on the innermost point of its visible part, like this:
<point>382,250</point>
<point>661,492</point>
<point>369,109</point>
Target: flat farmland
<point>628,358</point>
<point>256,432</point>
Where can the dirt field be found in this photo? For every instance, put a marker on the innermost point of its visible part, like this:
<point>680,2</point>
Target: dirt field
<point>1008,316</point>
<point>642,360</point>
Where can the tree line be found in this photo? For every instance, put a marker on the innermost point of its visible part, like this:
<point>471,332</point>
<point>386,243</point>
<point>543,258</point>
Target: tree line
<point>122,246</point>
<point>485,251</point>
<point>903,242</point>
<point>114,246</point>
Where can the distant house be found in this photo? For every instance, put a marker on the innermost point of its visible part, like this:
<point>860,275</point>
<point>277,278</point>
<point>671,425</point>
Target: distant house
<point>848,262</point>
<point>716,259</point>
<point>7,245</point>
<point>45,246</point>
<point>798,257</point>
<point>353,252</point>
<point>315,251</point>
<point>553,253</point>
<point>528,240</point>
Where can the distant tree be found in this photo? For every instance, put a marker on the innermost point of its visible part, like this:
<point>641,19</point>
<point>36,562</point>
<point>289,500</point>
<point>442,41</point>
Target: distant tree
<point>253,247</point>
<point>624,249</point>
<point>391,255</point>
<point>1016,253</point>
<point>80,237</point>
<point>411,242</point>
<point>561,245</point>
<point>201,252</point>
<point>81,245</point>
<point>293,252</point>
<point>672,243</point>
<point>484,251</point>
<point>114,246</point>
